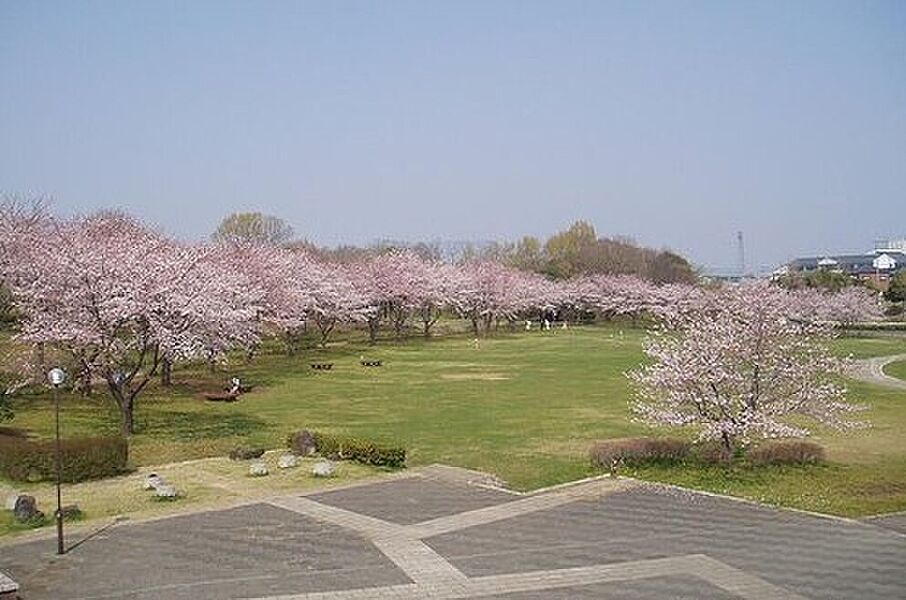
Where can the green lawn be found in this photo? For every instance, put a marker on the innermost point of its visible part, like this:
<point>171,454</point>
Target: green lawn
<point>523,406</point>
<point>896,369</point>
<point>867,347</point>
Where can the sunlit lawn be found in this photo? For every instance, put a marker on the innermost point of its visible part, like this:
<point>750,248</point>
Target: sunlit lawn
<point>525,406</point>
<point>896,369</point>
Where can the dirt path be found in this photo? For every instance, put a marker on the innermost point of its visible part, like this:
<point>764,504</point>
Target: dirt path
<point>871,370</point>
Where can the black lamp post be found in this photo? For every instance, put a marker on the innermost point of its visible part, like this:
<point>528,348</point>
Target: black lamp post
<point>57,376</point>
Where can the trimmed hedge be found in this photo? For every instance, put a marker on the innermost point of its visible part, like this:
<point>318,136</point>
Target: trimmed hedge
<point>786,452</point>
<point>610,453</point>
<point>367,452</point>
<point>82,458</point>
<point>712,452</point>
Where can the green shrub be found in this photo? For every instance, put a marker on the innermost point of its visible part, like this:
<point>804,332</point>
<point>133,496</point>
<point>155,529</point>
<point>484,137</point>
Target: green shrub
<point>786,452</point>
<point>367,452</point>
<point>713,453</point>
<point>630,451</point>
<point>82,458</point>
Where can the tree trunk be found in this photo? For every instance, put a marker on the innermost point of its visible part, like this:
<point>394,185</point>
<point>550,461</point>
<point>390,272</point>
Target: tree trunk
<point>85,382</point>
<point>250,353</point>
<point>292,343</point>
<point>373,325</point>
<point>124,402</point>
<point>127,422</point>
<point>39,362</point>
<point>727,443</point>
<point>166,372</point>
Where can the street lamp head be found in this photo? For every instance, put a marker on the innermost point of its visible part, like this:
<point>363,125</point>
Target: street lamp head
<point>56,376</point>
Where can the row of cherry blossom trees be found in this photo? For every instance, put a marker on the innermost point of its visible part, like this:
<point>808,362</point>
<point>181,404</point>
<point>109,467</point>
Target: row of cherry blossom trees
<point>126,302</point>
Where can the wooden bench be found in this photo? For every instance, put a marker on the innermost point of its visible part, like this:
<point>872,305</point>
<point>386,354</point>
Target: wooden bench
<point>371,363</point>
<point>322,366</point>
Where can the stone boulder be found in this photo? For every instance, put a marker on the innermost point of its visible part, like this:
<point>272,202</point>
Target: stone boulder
<point>288,461</point>
<point>26,509</point>
<point>303,443</point>
<point>166,491</point>
<point>323,468</point>
<point>152,482</point>
<point>258,469</point>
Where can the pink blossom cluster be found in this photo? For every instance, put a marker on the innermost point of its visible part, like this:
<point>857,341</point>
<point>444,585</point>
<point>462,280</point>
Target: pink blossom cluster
<point>737,364</point>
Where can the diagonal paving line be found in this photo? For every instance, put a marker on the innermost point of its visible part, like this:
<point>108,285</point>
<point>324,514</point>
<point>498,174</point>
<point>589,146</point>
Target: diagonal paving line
<point>370,527</point>
<point>516,508</point>
<point>744,585</point>
<point>420,562</point>
<point>747,587</point>
<point>412,556</point>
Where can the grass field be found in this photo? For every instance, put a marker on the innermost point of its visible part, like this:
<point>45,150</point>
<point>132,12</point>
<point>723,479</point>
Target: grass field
<point>896,369</point>
<point>524,406</point>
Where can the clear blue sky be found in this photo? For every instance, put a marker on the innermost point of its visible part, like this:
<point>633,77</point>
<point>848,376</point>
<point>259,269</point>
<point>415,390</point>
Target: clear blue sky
<point>676,123</point>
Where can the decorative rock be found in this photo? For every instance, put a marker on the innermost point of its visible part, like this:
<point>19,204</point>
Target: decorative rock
<point>26,509</point>
<point>152,482</point>
<point>258,469</point>
<point>8,588</point>
<point>165,491</point>
<point>323,468</point>
<point>303,443</point>
<point>288,461</point>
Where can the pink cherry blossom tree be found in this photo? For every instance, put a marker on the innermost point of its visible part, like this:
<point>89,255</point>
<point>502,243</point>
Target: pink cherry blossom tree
<point>369,285</point>
<point>483,294</point>
<point>850,305</point>
<point>439,285</point>
<point>284,277</point>
<point>398,278</point>
<point>335,298</point>
<point>737,366</point>
<point>400,285</point>
<point>119,298</point>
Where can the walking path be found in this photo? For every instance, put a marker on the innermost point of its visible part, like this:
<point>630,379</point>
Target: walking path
<point>441,533</point>
<point>871,370</point>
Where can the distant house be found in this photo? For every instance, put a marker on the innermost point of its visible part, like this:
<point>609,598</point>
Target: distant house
<point>878,266</point>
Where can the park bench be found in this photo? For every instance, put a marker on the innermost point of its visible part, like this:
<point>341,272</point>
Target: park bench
<point>322,366</point>
<point>371,363</point>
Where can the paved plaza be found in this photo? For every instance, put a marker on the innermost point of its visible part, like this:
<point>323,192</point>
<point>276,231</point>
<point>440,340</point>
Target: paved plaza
<point>442,533</point>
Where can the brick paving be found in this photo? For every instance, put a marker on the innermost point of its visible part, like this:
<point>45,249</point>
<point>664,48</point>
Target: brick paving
<point>440,534</point>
